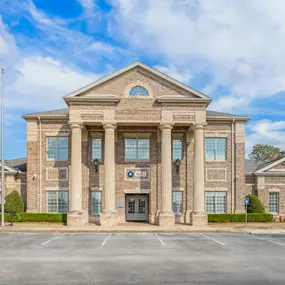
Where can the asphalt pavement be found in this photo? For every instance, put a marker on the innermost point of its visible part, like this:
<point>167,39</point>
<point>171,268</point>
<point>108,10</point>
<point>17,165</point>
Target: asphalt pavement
<point>144,258</point>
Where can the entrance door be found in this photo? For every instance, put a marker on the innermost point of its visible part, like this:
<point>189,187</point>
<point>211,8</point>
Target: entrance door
<point>137,207</point>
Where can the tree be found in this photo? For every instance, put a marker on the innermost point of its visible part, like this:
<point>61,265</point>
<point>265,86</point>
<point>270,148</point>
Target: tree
<point>264,152</point>
<point>14,202</point>
<point>255,205</point>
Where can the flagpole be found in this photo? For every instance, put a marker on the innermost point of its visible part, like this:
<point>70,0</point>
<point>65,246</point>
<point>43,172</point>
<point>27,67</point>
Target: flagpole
<point>2,147</point>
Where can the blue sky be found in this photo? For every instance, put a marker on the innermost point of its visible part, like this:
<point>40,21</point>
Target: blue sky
<point>232,51</point>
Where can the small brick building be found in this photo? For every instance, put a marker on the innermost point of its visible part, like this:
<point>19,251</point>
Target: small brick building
<point>136,145</point>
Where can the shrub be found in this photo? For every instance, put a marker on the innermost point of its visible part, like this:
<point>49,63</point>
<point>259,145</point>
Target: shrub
<point>37,217</point>
<point>14,202</point>
<point>255,205</point>
<point>43,217</point>
<point>237,218</point>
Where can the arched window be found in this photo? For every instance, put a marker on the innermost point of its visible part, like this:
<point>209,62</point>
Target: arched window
<point>138,91</point>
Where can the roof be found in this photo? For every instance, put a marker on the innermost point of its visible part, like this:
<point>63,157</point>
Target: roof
<point>14,166</point>
<point>18,164</point>
<point>145,67</point>
<point>64,114</point>
<point>251,166</point>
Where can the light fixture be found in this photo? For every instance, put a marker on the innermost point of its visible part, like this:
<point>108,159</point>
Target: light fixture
<point>96,164</point>
<point>177,164</point>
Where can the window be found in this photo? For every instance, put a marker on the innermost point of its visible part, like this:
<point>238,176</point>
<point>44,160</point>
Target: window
<point>177,202</point>
<point>57,148</point>
<point>215,148</point>
<point>96,202</point>
<point>57,201</point>
<point>136,149</point>
<point>97,148</point>
<point>177,149</point>
<point>216,202</point>
<point>138,91</point>
<point>273,202</point>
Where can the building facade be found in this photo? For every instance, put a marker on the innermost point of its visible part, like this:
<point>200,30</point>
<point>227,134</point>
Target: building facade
<point>136,145</point>
<point>267,181</point>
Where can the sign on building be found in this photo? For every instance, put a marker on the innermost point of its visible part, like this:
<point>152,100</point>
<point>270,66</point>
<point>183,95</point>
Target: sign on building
<point>136,173</point>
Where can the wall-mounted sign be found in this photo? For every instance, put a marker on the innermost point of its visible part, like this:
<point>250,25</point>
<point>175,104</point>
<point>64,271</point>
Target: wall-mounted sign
<point>136,173</point>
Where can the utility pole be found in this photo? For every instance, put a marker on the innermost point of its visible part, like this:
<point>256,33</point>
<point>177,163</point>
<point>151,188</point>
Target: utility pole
<point>2,148</point>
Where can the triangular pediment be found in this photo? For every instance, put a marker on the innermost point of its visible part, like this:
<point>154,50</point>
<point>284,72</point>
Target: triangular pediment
<point>161,86</point>
<point>276,166</point>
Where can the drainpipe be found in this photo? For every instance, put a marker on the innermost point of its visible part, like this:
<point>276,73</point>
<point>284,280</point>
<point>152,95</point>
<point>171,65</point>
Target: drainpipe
<point>40,124</point>
<point>233,167</point>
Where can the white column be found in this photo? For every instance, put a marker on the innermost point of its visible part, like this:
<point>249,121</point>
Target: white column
<point>199,216</point>
<point>166,214</point>
<point>76,169</point>
<point>109,169</point>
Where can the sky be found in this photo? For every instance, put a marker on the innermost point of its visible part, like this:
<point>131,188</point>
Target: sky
<point>232,51</point>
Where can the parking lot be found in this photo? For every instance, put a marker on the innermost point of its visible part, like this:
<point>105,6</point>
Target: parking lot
<point>29,258</point>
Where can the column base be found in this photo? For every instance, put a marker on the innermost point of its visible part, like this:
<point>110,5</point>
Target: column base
<point>166,219</point>
<point>108,219</point>
<point>199,219</point>
<point>77,218</point>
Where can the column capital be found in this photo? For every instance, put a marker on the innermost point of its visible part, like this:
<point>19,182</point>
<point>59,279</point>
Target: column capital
<point>76,126</point>
<point>108,126</point>
<point>166,127</point>
<point>199,126</point>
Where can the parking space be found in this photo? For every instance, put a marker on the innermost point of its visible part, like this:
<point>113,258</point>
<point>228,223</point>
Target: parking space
<point>149,258</point>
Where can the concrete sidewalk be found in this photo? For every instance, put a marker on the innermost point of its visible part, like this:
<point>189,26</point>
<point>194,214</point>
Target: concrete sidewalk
<point>253,228</point>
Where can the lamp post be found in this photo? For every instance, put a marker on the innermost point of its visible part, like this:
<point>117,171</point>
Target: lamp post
<point>2,148</point>
<point>177,164</point>
<point>96,164</point>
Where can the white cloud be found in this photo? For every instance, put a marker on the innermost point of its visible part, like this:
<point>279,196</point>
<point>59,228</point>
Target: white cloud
<point>240,43</point>
<point>42,81</point>
<point>265,132</point>
<point>171,70</point>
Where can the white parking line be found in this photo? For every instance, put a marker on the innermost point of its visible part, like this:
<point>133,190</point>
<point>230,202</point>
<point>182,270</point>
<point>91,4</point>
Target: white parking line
<point>105,240</point>
<point>269,240</point>
<point>52,239</point>
<point>161,241</point>
<point>210,238</point>
<point>10,236</point>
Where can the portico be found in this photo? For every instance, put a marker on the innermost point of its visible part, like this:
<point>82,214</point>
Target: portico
<point>160,155</point>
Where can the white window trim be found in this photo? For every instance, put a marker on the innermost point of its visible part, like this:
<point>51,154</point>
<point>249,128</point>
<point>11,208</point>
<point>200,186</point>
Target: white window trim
<point>91,208</point>
<point>278,202</point>
<point>226,152</point>
<point>102,156</point>
<point>138,83</point>
<point>56,191</point>
<point>55,159</point>
<point>226,202</point>
<point>137,136</point>
<point>180,138</point>
<point>182,194</point>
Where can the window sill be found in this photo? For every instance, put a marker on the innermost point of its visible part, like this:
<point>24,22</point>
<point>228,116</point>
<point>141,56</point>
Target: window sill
<point>56,159</point>
<point>137,161</point>
<point>215,160</point>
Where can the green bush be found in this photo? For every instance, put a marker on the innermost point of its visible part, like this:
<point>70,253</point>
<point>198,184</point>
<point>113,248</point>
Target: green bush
<point>14,202</point>
<point>255,205</point>
<point>238,218</point>
<point>43,217</point>
<point>37,217</point>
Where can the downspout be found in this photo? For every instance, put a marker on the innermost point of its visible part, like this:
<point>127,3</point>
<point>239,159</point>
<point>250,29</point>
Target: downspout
<point>40,124</point>
<point>233,167</point>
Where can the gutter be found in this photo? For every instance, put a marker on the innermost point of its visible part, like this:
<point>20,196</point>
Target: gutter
<point>40,129</point>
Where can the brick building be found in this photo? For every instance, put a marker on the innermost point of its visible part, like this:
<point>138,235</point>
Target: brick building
<point>136,145</point>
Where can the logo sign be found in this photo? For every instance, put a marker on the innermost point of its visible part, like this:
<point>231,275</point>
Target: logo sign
<point>246,201</point>
<point>137,173</point>
<point>121,205</point>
